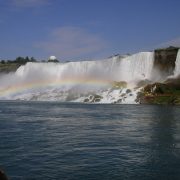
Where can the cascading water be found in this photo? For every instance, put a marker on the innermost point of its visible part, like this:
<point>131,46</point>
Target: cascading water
<point>177,65</point>
<point>84,81</point>
<point>137,67</point>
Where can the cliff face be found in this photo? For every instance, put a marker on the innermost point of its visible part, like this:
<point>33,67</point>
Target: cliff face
<point>9,67</point>
<point>160,93</point>
<point>165,60</point>
<point>167,92</point>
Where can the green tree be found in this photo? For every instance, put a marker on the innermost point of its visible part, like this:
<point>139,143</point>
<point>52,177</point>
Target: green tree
<point>20,60</point>
<point>3,62</point>
<point>27,59</point>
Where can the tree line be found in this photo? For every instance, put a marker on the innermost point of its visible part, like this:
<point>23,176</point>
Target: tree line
<point>19,60</point>
<point>24,60</point>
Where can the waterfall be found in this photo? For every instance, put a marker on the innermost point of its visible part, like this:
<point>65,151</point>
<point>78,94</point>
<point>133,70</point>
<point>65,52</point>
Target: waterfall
<point>137,67</point>
<point>101,69</point>
<point>75,80</point>
<point>131,68</point>
<point>177,64</point>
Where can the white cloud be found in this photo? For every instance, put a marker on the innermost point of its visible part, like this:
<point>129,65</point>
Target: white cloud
<point>29,3</point>
<point>72,42</point>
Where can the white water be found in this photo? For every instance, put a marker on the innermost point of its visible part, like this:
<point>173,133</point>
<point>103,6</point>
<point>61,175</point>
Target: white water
<point>177,65</point>
<point>137,67</point>
<point>130,69</point>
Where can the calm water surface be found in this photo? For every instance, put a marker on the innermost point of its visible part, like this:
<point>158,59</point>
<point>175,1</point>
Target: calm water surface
<point>47,140</point>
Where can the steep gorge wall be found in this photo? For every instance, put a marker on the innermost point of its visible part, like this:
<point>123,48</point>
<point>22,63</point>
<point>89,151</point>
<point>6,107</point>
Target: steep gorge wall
<point>165,59</point>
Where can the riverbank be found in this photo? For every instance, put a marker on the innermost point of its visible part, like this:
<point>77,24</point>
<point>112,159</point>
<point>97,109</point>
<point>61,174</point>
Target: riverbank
<point>160,93</point>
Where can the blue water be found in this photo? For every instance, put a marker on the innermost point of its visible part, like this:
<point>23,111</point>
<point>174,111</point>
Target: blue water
<point>46,140</point>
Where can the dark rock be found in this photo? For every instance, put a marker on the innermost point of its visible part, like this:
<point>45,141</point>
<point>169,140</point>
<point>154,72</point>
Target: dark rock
<point>159,93</point>
<point>128,91</point>
<point>3,175</point>
<point>165,60</point>
<point>86,100</point>
<point>118,101</point>
<point>96,98</point>
<point>93,98</point>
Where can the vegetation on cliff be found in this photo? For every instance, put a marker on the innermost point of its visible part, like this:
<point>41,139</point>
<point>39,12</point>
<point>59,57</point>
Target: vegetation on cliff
<point>160,93</point>
<point>118,85</point>
<point>7,66</point>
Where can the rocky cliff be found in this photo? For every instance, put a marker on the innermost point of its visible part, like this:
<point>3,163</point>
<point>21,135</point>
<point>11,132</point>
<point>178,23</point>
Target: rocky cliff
<point>165,60</point>
<point>167,91</point>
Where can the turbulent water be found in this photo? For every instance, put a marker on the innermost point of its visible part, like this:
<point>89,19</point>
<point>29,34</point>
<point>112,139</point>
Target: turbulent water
<point>105,81</point>
<point>177,66</point>
<point>136,67</point>
<point>54,141</point>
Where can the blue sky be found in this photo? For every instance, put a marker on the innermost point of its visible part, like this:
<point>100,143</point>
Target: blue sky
<point>86,29</point>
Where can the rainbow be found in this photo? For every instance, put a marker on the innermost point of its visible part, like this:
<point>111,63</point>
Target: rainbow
<point>57,83</point>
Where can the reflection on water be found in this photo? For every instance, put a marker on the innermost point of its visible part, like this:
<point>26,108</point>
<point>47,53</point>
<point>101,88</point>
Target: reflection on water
<point>44,140</point>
